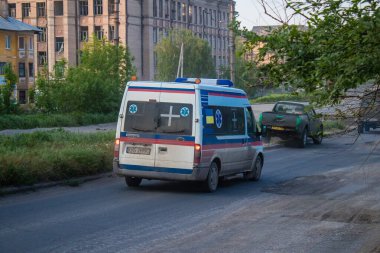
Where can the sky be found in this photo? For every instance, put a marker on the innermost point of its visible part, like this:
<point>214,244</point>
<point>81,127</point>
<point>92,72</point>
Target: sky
<point>251,13</point>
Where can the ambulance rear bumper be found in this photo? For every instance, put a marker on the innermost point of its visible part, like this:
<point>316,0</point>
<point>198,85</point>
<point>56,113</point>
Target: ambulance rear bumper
<point>177,174</point>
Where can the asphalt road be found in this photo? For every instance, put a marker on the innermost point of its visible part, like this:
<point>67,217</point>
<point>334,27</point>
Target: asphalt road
<point>324,198</point>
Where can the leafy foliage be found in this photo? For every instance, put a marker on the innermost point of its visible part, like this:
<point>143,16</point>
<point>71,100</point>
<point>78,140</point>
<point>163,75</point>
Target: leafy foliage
<point>197,56</point>
<point>7,103</point>
<point>95,86</point>
<point>338,50</point>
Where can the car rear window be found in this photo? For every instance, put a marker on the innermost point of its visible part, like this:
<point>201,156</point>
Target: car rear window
<point>153,117</point>
<point>289,108</point>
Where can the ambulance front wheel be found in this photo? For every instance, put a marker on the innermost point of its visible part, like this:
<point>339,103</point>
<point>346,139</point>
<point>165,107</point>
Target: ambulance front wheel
<point>212,178</point>
<point>133,181</point>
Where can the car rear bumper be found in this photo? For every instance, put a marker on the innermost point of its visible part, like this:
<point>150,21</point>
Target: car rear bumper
<point>195,174</point>
<point>283,134</point>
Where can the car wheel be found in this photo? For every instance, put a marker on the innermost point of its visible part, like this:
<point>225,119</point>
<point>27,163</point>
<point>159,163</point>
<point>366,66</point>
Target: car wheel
<point>303,140</point>
<point>211,182</point>
<point>133,181</point>
<point>318,139</point>
<point>255,174</point>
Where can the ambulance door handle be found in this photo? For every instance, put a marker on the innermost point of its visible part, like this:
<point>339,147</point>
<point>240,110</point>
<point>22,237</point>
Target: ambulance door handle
<point>162,149</point>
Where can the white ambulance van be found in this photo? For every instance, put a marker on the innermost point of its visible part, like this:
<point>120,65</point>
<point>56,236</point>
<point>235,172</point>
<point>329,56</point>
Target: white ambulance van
<point>190,129</point>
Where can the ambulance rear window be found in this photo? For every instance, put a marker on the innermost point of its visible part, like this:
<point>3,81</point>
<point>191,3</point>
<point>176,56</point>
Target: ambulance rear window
<point>153,117</point>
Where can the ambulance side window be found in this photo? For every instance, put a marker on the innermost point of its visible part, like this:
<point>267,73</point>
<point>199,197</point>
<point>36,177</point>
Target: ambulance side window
<point>223,120</point>
<point>251,124</point>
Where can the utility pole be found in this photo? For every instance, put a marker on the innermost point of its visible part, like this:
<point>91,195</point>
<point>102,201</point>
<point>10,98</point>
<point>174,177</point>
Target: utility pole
<point>232,40</point>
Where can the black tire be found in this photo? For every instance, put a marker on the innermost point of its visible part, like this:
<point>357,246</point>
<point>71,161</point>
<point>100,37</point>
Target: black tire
<point>133,181</point>
<point>302,141</point>
<point>211,183</point>
<point>318,139</point>
<point>255,174</point>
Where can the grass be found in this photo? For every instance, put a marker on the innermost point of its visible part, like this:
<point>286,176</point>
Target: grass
<point>27,121</point>
<point>26,159</point>
<point>280,97</point>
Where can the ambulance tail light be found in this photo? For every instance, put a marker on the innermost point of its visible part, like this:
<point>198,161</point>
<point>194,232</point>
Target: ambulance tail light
<point>197,154</point>
<point>116,148</point>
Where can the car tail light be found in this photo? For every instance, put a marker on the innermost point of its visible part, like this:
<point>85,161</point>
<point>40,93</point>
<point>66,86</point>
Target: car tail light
<point>197,154</point>
<point>116,148</point>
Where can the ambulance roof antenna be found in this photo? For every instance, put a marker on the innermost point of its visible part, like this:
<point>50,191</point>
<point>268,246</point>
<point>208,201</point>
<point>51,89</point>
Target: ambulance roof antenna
<point>180,63</point>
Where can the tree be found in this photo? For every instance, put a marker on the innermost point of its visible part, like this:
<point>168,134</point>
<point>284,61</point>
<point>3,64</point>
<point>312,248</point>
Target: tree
<point>248,76</point>
<point>8,104</point>
<point>96,85</point>
<point>338,51</point>
<point>198,61</point>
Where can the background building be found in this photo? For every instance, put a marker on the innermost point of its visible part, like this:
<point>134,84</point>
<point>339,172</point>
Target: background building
<point>140,24</point>
<point>17,49</point>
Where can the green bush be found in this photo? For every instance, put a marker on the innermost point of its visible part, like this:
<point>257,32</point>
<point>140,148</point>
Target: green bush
<point>281,97</point>
<point>27,121</point>
<point>26,159</point>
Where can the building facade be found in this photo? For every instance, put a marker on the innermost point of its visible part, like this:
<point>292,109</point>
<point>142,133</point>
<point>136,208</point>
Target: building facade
<point>17,43</point>
<point>140,24</point>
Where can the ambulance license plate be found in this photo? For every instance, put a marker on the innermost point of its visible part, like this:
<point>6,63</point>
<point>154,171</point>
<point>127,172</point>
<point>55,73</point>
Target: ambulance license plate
<point>278,128</point>
<point>138,150</point>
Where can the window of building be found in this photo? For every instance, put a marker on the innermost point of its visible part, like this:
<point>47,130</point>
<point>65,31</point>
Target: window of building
<point>41,9</point>
<point>59,44</point>
<point>99,32</point>
<point>160,8</point>
<point>195,15</point>
<point>83,8</point>
<point>155,37</point>
<point>25,10</point>
<point>200,15</point>
<point>155,8</point>
<point>41,58</point>
<point>21,97</point>
<point>167,8</point>
<point>31,69</point>
<point>111,32</point>
<point>58,8</point>
<point>111,6</point>
<point>31,43</point>
<point>41,37</point>
<point>7,42</point>
<point>84,33</point>
<point>21,43</point>
<point>179,11</point>
<point>2,68</point>
<point>190,14</point>
<point>98,7</point>
<point>184,12</point>
<point>12,10</point>
<point>21,69</point>
<point>215,18</point>
<point>173,15</point>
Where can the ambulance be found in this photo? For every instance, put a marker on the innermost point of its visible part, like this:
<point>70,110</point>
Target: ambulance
<point>187,130</point>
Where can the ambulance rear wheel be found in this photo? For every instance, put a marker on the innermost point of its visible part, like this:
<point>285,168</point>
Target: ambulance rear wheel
<point>133,181</point>
<point>211,182</point>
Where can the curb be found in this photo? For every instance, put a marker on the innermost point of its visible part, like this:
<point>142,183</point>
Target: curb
<point>75,182</point>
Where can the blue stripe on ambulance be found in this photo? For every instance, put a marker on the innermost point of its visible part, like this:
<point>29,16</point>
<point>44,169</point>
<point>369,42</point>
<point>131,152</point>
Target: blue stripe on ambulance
<point>156,169</point>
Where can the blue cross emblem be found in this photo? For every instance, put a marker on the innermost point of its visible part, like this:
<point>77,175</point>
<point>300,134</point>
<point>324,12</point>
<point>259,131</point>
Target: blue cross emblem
<point>133,108</point>
<point>218,119</point>
<point>184,112</point>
